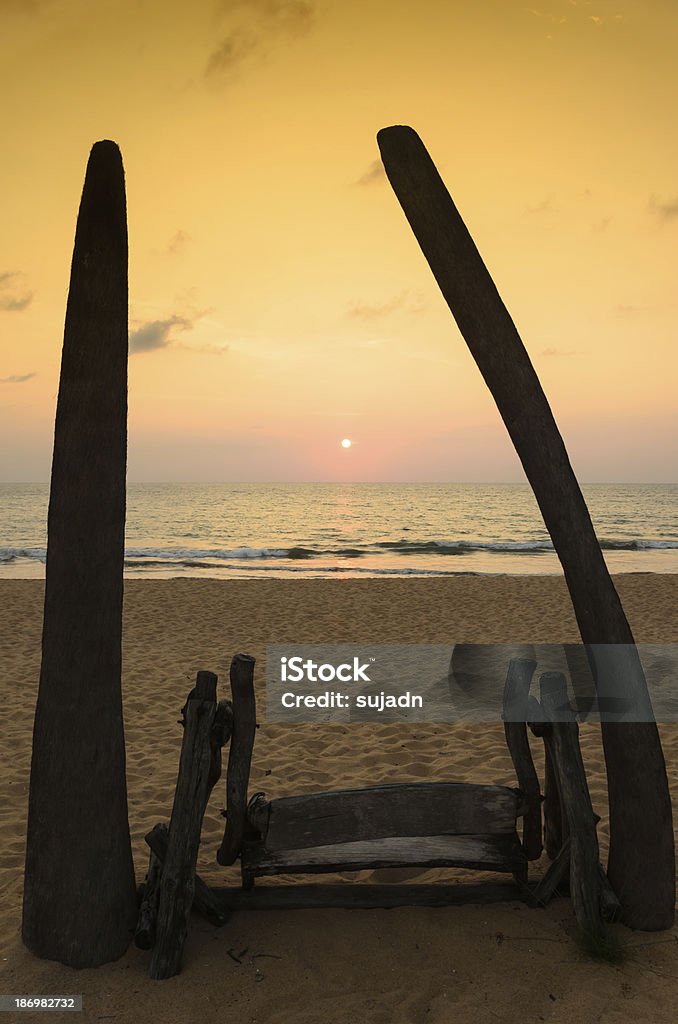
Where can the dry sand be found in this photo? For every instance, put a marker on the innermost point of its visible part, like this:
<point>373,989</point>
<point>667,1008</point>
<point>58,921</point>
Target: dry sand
<point>419,966</point>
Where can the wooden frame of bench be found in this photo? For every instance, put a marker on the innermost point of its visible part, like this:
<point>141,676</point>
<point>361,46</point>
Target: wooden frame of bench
<point>429,824</point>
<point>424,824</point>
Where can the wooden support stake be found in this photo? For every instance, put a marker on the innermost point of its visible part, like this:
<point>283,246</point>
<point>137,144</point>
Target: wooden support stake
<point>239,758</point>
<point>144,936</point>
<point>177,884</point>
<point>558,872</point>
<point>555,820</point>
<point>585,890</point>
<point>556,828</point>
<point>222,728</point>
<point>642,859</point>
<point>515,716</point>
<point>205,901</point>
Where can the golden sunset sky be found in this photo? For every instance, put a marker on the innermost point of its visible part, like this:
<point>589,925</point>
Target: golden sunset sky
<point>278,299</point>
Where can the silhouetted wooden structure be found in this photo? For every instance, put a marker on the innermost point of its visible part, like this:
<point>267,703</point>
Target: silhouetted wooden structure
<point>79,897</point>
<point>431,824</point>
<point>79,893</point>
<point>641,861</point>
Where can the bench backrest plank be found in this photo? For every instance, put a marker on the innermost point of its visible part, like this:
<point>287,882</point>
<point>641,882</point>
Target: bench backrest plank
<point>381,812</point>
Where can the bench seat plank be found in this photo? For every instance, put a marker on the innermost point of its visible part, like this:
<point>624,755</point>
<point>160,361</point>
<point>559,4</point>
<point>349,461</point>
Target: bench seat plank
<point>503,853</point>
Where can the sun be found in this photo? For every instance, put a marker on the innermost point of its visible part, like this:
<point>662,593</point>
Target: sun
<point>346,443</point>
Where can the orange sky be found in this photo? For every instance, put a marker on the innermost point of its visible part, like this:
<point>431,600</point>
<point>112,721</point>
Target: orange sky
<point>278,299</point>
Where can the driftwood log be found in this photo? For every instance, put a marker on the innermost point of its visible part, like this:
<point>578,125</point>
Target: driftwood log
<point>144,936</point>
<point>515,714</point>
<point>555,819</point>
<point>205,901</point>
<point>556,829</point>
<point>239,757</point>
<point>220,733</point>
<point>79,891</point>
<point>642,859</point>
<point>584,858</point>
<point>177,883</point>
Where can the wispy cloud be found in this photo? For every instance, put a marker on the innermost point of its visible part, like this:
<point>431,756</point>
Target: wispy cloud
<point>18,378</point>
<point>621,309</point>
<point>178,242</point>
<point>218,348</point>
<point>580,15</point>
<point>231,52</point>
<point>155,334</point>
<point>374,174</point>
<point>253,28</point>
<point>666,209</point>
<point>373,311</point>
<point>546,206</point>
<point>14,296</point>
<point>557,19</point>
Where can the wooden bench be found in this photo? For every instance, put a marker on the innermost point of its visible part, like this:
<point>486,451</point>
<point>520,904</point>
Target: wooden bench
<point>433,824</point>
<point>424,824</point>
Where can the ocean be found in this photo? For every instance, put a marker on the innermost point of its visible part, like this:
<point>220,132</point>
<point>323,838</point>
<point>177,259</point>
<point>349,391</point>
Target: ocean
<point>351,530</point>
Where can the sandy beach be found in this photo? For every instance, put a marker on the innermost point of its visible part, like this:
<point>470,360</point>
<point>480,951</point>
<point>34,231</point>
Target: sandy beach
<point>420,966</point>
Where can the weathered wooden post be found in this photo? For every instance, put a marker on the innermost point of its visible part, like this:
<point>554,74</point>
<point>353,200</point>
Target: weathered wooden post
<point>515,715</point>
<point>641,863</point>
<point>239,757</point>
<point>585,878</point>
<point>183,889</point>
<point>176,887</point>
<point>79,893</point>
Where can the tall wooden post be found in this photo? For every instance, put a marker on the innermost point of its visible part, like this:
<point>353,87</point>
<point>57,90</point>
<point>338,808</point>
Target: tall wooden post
<point>79,894</point>
<point>641,862</point>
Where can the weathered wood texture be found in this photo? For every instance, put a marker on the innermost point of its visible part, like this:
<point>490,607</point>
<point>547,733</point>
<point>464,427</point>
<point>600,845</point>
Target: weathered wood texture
<point>515,714</point>
<point>239,758</point>
<point>79,893</point>
<point>558,872</point>
<point>381,812</point>
<point>585,890</point>
<point>177,884</point>
<point>222,728</point>
<point>423,824</point>
<point>480,852</point>
<point>555,819</point>
<point>641,863</point>
<point>144,935</point>
<point>556,828</point>
<point>368,897</point>
<point>205,900</point>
